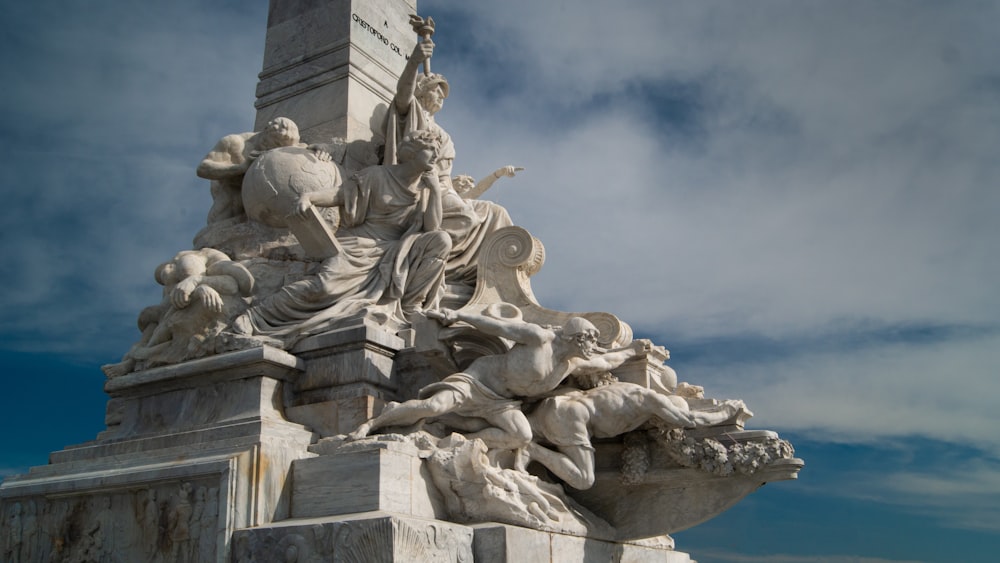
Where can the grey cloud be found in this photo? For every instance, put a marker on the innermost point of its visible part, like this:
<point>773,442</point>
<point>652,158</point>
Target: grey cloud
<point>112,109</point>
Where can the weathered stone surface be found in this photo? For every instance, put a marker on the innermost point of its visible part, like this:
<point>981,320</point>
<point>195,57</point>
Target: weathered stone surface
<point>387,476</point>
<point>371,537</point>
<point>498,543</point>
<point>205,440</point>
<point>332,66</point>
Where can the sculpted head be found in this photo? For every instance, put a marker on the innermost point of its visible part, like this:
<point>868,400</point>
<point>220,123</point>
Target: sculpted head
<point>582,333</point>
<point>431,90</point>
<point>281,132</point>
<point>187,263</point>
<point>420,145</point>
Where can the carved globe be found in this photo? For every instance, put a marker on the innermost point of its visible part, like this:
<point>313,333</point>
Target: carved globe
<point>275,180</point>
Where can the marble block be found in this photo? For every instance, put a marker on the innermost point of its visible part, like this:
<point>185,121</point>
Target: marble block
<point>499,543</point>
<point>370,537</point>
<point>380,476</point>
<point>347,376</point>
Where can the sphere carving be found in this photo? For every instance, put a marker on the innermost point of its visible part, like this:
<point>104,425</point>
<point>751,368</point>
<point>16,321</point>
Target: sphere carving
<point>272,185</point>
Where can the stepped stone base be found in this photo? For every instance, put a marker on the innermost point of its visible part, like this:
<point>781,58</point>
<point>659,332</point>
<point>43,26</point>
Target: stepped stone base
<point>383,537</point>
<point>192,452</point>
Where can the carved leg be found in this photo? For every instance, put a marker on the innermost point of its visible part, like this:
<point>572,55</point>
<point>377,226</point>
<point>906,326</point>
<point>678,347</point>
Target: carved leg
<point>572,464</point>
<point>511,431</point>
<point>410,412</point>
<point>426,274</point>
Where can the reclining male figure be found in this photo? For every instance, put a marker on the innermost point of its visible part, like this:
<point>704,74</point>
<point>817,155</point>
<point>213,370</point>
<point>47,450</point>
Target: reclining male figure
<point>490,388</point>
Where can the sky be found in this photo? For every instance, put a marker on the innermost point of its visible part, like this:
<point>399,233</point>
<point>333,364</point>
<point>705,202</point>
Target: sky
<point>797,198</point>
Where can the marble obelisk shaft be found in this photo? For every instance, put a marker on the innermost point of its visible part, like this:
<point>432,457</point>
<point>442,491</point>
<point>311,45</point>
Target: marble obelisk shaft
<point>332,65</point>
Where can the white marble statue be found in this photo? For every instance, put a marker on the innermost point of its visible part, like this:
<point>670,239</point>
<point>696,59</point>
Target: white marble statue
<point>393,248</point>
<point>490,388</point>
<point>232,156</point>
<point>468,221</point>
<point>467,186</point>
<point>324,287</point>
<point>569,420</point>
<point>202,291</point>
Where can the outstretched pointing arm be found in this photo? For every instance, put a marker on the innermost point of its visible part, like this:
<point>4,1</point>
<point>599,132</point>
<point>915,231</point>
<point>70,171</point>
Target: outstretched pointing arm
<point>516,330</point>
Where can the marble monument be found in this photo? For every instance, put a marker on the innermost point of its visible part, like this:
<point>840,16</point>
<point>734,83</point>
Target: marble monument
<point>350,364</point>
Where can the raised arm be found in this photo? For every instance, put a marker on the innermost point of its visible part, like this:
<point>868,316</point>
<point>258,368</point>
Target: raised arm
<point>407,84</point>
<point>516,330</point>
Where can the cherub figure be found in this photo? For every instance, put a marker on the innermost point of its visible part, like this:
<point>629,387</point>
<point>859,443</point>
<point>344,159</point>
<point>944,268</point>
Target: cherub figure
<point>197,286</point>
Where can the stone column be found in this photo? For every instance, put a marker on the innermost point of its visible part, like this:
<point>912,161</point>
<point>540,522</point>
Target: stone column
<point>332,65</point>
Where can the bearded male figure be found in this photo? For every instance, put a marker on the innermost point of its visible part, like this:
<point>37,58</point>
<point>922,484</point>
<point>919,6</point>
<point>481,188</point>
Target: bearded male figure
<point>490,388</point>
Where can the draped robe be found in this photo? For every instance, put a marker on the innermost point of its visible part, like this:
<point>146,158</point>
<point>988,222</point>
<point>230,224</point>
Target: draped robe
<point>388,261</point>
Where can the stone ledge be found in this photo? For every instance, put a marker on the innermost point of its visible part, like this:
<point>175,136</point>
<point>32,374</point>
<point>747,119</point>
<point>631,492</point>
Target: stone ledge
<point>263,361</point>
<point>501,543</point>
<point>367,536</point>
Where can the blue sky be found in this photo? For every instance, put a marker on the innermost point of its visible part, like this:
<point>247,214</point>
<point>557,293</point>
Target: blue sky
<point>798,199</point>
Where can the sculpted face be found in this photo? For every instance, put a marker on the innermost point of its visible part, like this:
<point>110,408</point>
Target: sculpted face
<point>586,342</point>
<point>583,334</point>
<point>282,132</point>
<point>432,99</point>
<point>463,183</point>
<point>421,149</point>
<point>426,157</point>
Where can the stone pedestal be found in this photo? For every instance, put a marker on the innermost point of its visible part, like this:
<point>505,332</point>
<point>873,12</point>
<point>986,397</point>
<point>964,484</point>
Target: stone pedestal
<point>347,376</point>
<point>371,538</point>
<point>192,452</point>
<point>498,543</point>
<point>380,537</point>
<point>385,476</point>
<point>379,499</point>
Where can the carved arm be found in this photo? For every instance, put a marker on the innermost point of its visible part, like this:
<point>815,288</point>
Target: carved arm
<point>611,360</point>
<point>516,330</point>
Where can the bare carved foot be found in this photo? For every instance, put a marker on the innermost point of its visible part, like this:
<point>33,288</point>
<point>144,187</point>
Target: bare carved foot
<point>361,432</point>
<point>242,325</point>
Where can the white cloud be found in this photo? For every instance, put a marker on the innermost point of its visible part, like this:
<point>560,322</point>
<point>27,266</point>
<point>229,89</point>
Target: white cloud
<point>830,177</point>
<point>945,390</point>
<point>711,169</point>
<point>838,181</point>
<point>966,496</point>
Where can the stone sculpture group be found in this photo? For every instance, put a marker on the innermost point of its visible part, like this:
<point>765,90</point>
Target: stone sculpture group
<point>559,422</point>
